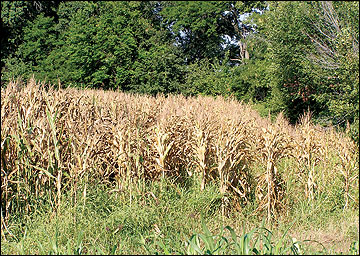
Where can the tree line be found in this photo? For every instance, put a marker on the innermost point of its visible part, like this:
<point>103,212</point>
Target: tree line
<point>280,55</point>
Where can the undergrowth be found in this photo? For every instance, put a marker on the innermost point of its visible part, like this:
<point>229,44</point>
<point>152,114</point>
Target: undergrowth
<point>162,218</point>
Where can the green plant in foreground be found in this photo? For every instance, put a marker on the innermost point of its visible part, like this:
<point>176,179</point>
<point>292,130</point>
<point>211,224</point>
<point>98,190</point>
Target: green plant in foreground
<point>354,248</point>
<point>263,243</point>
<point>213,244</point>
<point>207,243</point>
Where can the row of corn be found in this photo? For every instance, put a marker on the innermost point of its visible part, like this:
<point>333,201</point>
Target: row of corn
<point>52,139</point>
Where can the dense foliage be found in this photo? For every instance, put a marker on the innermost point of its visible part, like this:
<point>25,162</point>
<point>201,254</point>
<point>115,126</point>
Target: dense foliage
<point>312,59</point>
<point>287,56</point>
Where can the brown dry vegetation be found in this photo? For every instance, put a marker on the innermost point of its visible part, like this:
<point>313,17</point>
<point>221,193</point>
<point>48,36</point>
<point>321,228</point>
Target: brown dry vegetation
<point>52,139</point>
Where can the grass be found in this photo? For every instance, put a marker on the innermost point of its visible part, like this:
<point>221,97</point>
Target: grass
<point>167,219</point>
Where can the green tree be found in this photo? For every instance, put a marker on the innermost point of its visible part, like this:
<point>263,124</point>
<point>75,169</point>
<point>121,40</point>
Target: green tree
<point>206,78</point>
<point>281,28</point>
<point>312,59</point>
<point>334,32</point>
<point>201,27</point>
<point>100,45</point>
<point>15,17</point>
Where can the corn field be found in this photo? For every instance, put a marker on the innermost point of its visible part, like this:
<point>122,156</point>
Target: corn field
<point>54,139</point>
